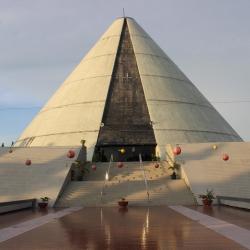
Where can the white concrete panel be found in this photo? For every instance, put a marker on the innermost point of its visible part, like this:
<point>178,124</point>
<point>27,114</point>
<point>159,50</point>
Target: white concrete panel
<point>161,88</point>
<point>70,139</point>
<point>44,177</point>
<point>204,168</point>
<point>79,92</point>
<point>184,116</point>
<point>73,124</point>
<point>114,29</point>
<point>151,65</point>
<point>73,118</point>
<point>145,45</point>
<point>95,67</point>
<point>101,57</point>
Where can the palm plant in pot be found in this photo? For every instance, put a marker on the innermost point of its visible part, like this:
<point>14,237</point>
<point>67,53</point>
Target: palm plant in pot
<point>207,198</point>
<point>44,201</point>
<point>175,167</point>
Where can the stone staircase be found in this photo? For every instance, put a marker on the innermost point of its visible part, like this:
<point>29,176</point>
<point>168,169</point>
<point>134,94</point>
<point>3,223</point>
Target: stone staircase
<point>127,182</point>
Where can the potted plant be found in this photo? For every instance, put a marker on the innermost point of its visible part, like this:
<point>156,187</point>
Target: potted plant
<point>82,169</point>
<point>207,199</point>
<point>44,202</point>
<point>155,157</point>
<point>175,167</point>
<point>123,202</point>
<point>83,142</point>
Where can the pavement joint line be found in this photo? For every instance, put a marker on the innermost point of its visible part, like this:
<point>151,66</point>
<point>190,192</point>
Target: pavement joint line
<point>23,227</point>
<point>237,234</point>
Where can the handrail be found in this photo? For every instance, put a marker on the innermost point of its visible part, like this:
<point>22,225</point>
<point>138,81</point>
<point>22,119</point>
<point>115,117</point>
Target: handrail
<point>107,172</point>
<point>170,160</point>
<point>229,198</point>
<point>9,206</point>
<point>144,175</point>
<point>169,157</point>
<point>106,177</point>
<point>6,203</point>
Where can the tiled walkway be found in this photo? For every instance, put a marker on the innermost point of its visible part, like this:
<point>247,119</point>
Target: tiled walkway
<point>224,228</point>
<point>111,228</point>
<point>13,218</point>
<point>239,217</point>
<point>26,226</point>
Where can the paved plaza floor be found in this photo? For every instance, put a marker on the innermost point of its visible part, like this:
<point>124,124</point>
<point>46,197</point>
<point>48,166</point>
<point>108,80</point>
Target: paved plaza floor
<point>174,227</point>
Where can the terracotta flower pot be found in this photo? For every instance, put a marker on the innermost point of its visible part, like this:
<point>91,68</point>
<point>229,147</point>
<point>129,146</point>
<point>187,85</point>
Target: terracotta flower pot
<point>42,205</point>
<point>123,203</point>
<point>207,202</point>
<point>157,165</point>
<point>173,176</point>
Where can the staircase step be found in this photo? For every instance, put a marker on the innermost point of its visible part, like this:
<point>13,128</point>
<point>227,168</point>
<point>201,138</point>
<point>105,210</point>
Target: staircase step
<point>127,182</point>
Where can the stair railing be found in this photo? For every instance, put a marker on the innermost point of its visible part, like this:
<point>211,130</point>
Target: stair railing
<point>106,177</point>
<point>144,175</point>
<point>107,172</point>
<point>169,158</point>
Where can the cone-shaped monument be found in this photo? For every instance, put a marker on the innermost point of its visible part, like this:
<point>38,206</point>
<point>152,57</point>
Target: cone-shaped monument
<point>126,94</point>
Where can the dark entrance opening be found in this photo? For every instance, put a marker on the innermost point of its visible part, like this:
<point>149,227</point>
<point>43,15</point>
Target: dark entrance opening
<point>125,153</point>
<point>126,122</point>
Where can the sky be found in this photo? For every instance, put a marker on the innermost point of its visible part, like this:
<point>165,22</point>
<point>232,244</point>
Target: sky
<point>42,41</point>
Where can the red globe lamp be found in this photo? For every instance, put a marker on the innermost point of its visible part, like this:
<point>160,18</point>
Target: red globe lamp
<point>177,150</point>
<point>71,154</point>
<point>28,162</point>
<point>119,164</point>
<point>225,157</point>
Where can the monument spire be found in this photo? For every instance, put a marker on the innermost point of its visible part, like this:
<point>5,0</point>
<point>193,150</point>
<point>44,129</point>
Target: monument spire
<point>147,98</point>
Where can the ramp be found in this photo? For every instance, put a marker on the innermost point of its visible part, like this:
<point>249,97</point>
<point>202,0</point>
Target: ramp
<point>44,177</point>
<point>203,168</point>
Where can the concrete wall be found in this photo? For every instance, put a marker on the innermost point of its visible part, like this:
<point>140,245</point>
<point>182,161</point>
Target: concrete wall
<point>203,168</point>
<point>44,177</point>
